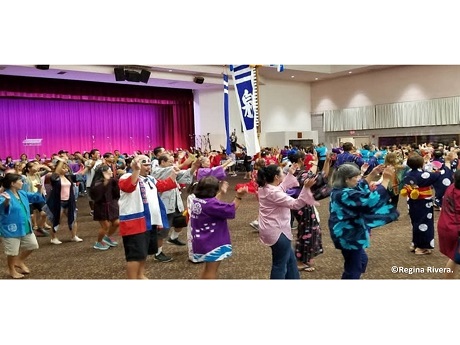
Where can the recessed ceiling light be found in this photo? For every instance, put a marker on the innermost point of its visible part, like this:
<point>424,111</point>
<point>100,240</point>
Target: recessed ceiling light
<point>292,76</point>
<point>350,72</point>
<point>316,78</point>
<point>170,70</point>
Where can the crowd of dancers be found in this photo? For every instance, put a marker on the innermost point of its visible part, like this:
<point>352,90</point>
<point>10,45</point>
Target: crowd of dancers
<point>148,198</point>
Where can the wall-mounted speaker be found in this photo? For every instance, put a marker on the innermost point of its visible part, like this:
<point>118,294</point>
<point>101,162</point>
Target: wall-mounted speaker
<point>145,76</point>
<point>133,76</point>
<point>119,73</point>
<point>198,80</point>
<point>42,67</point>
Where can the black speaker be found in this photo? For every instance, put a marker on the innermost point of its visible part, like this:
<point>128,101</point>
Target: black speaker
<point>132,76</point>
<point>145,76</point>
<point>198,80</point>
<point>119,73</point>
<point>42,67</point>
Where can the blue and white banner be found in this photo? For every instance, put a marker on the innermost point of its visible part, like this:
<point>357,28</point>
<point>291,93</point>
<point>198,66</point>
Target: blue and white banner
<point>226,116</point>
<point>279,68</point>
<point>244,79</point>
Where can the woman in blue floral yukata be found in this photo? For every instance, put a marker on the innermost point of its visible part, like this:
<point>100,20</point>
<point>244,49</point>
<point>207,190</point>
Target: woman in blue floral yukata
<point>356,206</point>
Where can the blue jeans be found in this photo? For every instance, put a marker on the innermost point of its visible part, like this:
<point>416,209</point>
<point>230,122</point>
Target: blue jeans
<point>355,263</point>
<point>284,263</point>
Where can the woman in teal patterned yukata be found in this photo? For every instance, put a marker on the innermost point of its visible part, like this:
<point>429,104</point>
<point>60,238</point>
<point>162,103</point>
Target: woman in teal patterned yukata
<point>356,206</point>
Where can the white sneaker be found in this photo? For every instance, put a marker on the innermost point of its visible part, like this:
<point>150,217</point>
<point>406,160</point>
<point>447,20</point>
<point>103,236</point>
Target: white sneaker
<point>76,239</point>
<point>55,241</point>
<point>255,225</point>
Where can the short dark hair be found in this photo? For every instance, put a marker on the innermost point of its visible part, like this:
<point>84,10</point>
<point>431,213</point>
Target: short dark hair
<point>157,150</point>
<point>415,161</point>
<point>9,179</point>
<point>437,154</point>
<point>295,156</point>
<point>163,158</point>
<point>92,152</point>
<point>207,187</point>
<point>347,146</point>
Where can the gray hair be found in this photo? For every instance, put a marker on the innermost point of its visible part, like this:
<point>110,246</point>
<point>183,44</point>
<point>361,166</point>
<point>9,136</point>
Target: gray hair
<point>344,172</point>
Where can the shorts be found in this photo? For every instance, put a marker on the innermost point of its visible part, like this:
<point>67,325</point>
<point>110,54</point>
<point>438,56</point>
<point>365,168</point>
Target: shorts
<point>138,246</point>
<point>12,245</point>
<point>163,233</point>
<point>36,206</point>
<point>65,206</point>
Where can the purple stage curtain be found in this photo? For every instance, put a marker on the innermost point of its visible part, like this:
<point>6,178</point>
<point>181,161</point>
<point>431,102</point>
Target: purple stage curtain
<point>129,121</point>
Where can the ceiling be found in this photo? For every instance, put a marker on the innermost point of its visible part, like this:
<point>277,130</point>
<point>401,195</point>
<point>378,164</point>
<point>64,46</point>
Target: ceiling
<point>182,76</point>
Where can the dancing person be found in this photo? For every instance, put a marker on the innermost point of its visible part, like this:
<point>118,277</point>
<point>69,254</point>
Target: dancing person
<point>216,171</point>
<point>355,208</point>
<point>62,201</point>
<point>247,164</point>
<point>141,213</point>
<point>309,243</point>
<point>252,187</point>
<point>172,199</point>
<point>449,225</point>
<point>418,187</point>
<point>90,167</point>
<point>105,193</point>
<point>233,141</point>
<point>275,216</point>
<point>34,172</point>
<point>445,167</point>
<point>211,241</point>
<point>18,238</point>
<point>190,198</point>
<point>395,185</point>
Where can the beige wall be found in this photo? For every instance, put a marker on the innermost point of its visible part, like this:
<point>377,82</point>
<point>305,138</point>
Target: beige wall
<point>393,85</point>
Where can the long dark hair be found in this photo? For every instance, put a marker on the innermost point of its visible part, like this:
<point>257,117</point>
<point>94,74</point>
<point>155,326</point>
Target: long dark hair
<point>457,179</point>
<point>99,174</point>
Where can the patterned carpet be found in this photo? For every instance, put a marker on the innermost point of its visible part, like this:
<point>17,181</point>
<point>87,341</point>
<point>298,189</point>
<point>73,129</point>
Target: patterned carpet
<point>251,259</point>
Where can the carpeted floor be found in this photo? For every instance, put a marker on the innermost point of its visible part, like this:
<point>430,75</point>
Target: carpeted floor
<point>250,260</point>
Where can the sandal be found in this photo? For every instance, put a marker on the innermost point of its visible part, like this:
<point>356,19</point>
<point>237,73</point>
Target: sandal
<point>306,268</point>
<point>24,270</point>
<point>420,251</point>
